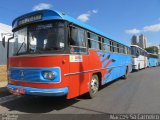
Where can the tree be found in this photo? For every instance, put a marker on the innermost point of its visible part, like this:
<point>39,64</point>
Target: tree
<point>152,49</point>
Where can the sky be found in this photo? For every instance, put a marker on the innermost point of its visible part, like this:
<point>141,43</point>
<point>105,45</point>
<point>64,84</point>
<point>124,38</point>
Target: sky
<point>117,18</point>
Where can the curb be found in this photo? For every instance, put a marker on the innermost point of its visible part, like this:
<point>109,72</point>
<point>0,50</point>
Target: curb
<point>4,92</point>
<point>8,98</point>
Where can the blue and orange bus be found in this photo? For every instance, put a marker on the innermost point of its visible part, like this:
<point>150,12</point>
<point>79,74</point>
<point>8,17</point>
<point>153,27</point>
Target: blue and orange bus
<point>152,60</point>
<point>56,55</point>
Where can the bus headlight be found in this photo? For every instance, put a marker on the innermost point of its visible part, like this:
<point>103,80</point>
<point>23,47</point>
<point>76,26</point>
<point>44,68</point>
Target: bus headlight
<point>49,75</point>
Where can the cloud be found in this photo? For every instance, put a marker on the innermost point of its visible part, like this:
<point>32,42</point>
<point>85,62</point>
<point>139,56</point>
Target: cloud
<point>85,16</point>
<point>95,11</point>
<point>42,6</point>
<point>150,28</point>
<point>133,31</point>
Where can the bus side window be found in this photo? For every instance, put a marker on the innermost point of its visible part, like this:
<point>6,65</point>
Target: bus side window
<point>89,42</point>
<point>118,48</point>
<point>94,41</point>
<point>137,52</point>
<point>115,46</point>
<point>111,46</point>
<point>100,43</point>
<point>105,44</point>
<point>78,40</point>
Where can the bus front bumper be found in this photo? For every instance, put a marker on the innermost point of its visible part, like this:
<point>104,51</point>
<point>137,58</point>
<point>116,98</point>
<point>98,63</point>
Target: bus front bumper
<point>134,67</point>
<point>21,90</point>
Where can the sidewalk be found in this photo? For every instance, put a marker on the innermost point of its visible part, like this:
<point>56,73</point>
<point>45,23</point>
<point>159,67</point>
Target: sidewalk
<point>3,84</point>
<point>3,89</point>
<point>3,81</point>
<point>3,76</point>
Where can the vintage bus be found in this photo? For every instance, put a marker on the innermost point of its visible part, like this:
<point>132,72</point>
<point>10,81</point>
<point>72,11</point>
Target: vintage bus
<point>57,55</point>
<point>139,57</point>
<point>152,60</point>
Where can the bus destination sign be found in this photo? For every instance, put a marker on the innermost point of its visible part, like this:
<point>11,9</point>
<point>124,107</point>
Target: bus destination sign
<point>30,19</point>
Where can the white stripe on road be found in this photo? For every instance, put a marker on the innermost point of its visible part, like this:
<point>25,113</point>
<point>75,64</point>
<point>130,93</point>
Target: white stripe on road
<point>8,98</point>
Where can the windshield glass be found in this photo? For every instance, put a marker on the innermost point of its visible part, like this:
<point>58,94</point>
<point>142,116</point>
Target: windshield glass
<point>20,44</point>
<point>42,38</point>
<point>134,51</point>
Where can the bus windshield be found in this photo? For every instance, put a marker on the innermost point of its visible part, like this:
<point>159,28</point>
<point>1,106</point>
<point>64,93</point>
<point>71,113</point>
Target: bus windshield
<point>134,51</point>
<point>40,38</point>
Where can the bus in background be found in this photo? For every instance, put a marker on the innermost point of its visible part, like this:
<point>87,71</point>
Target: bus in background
<point>152,60</point>
<point>57,55</point>
<point>139,57</point>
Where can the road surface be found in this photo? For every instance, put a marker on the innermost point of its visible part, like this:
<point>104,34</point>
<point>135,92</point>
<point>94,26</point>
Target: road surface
<point>140,93</point>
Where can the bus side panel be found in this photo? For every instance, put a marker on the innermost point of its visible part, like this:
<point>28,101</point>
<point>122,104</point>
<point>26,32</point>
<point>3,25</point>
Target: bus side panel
<point>79,77</point>
<point>78,85</point>
<point>115,65</point>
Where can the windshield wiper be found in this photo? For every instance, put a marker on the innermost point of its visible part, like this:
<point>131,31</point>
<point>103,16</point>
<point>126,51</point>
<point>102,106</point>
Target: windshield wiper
<point>39,51</point>
<point>20,48</point>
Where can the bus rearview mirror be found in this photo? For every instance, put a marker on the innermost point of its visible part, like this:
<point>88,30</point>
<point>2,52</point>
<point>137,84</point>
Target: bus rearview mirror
<point>3,41</point>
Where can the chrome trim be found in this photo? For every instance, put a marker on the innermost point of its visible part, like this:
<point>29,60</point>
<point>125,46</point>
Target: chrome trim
<point>39,55</point>
<point>47,92</point>
<point>115,66</point>
<point>83,72</point>
<point>34,82</point>
<point>34,67</point>
<point>78,46</point>
<point>92,70</point>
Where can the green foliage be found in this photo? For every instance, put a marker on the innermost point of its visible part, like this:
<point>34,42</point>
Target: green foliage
<point>152,49</point>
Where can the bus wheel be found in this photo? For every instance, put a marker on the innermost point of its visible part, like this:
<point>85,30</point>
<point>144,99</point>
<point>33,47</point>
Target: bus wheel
<point>93,87</point>
<point>139,67</point>
<point>126,74</point>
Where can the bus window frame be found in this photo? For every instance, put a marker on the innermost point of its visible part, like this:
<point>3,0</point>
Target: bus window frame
<point>99,41</point>
<point>64,51</point>
<point>107,44</point>
<point>70,26</point>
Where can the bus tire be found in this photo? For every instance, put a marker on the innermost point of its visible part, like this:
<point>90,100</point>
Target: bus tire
<point>138,68</point>
<point>93,87</point>
<point>126,73</point>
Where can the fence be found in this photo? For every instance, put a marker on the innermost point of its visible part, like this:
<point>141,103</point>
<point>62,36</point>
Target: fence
<point>3,52</point>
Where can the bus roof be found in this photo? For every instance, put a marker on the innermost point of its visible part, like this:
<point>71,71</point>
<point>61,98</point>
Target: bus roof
<point>138,47</point>
<point>152,53</point>
<point>55,15</point>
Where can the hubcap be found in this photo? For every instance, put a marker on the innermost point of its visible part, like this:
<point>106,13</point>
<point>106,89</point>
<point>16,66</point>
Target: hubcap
<point>94,85</point>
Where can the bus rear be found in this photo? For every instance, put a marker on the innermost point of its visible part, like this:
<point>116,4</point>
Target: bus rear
<point>152,60</point>
<point>139,55</point>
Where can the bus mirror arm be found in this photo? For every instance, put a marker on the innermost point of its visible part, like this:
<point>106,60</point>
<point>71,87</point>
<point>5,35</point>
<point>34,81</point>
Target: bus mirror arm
<point>8,45</point>
<point>4,38</point>
<point>3,41</point>
<point>8,49</point>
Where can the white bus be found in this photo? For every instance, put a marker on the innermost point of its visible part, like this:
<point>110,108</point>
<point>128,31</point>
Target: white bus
<point>139,57</point>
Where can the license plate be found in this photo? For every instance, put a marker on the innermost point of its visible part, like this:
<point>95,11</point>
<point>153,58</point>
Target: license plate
<point>19,91</point>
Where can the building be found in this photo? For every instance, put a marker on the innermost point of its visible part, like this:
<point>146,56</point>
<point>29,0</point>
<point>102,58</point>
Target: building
<point>134,40</point>
<point>5,29</point>
<point>159,49</point>
<point>159,54</point>
<point>142,41</point>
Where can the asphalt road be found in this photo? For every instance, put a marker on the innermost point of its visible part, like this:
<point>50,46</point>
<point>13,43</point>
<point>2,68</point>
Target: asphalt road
<point>140,93</point>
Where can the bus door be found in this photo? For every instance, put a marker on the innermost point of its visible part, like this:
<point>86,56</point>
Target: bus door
<point>78,59</point>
